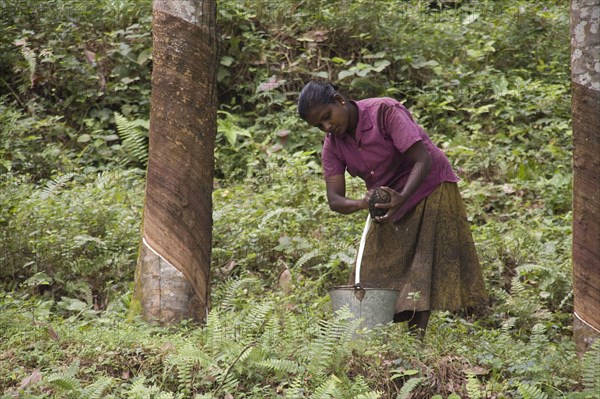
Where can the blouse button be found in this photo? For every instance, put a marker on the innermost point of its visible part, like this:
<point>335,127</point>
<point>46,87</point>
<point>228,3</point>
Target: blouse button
<point>359,148</point>
<point>372,172</point>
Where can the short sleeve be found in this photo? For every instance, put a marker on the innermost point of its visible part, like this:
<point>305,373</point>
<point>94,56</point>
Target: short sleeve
<point>400,127</point>
<point>332,164</point>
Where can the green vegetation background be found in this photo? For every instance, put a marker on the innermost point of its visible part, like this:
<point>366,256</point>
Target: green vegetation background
<point>489,80</point>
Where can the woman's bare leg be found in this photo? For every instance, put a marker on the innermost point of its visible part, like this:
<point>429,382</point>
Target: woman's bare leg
<point>418,324</point>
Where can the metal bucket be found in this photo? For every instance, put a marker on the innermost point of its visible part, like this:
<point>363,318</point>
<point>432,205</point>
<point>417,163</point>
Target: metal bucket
<point>376,306</point>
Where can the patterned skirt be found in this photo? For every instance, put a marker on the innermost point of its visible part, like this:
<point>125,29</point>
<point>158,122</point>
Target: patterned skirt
<point>429,255</point>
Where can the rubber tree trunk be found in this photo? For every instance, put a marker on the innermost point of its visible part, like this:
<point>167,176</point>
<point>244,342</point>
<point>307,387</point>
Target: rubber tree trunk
<point>585,76</point>
<point>172,275</point>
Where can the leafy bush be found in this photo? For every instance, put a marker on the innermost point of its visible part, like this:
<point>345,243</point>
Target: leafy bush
<point>73,234</point>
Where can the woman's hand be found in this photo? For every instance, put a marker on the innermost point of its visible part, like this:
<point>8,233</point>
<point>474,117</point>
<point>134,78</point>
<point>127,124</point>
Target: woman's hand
<point>366,198</point>
<point>397,200</point>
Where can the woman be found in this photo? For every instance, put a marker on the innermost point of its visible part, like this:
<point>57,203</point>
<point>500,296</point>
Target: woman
<point>422,246</point>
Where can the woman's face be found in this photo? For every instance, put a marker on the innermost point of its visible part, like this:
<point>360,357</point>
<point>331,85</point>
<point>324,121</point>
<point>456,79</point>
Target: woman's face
<point>331,118</point>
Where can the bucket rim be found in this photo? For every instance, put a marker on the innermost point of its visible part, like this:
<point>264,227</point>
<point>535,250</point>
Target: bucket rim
<point>353,288</point>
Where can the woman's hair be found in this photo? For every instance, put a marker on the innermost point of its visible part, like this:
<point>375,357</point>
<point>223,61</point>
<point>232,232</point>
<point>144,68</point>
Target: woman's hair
<point>314,93</point>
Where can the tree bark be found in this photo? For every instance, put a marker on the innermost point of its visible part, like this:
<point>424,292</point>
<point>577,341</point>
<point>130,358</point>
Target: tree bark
<point>585,77</point>
<point>172,276</point>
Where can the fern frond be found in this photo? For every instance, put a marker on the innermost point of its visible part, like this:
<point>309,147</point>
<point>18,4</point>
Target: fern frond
<point>64,382</point>
<point>139,390</point>
<point>331,343</point>
<point>187,362</point>
<point>473,386</point>
<point>591,369</point>
<point>538,335</point>
<point>307,257</point>
<point>96,390</point>
<point>232,291</point>
<point>328,389</point>
<point>321,350</point>
<point>272,337</point>
<point>134,137</point>
<point>227,382</point>
<point>257,316</point>
<point>348,255</point>
<point>281,366</point>
<point>409,386</point>
<point>517,288</point>
<point>532,267</point>
<point>53,185</point>
<point>531,392</point>
<point>296,388</point>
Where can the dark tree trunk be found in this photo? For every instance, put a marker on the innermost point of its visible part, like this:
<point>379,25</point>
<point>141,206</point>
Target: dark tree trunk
<point>585,76</point>
<point>172,277</point>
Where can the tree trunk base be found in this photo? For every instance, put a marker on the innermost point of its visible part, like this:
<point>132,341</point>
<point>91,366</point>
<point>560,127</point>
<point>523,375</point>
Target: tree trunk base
<point>165,295</point>
<point>583,334</point>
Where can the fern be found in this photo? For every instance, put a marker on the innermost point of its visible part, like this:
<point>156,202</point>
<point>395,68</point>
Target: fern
<point>473,386</point>
<point>228,382</point>
<point>307,257</point>
<point>232,291</point>
<point>409,386</point>
<point>591,369</point>
<point>272,333</point>
<point>282,366</point>
<point>257,316</point>
<point>531,392</point>
<point>517,287</point>
<point>134,137</point>
<point>538,336</point>
<point>296,389</point>
<point>328,389</point>
<point>30,57</point>
<point>66,381</point>
<point>188,361</point>
<point>139,390</point>
<point>53,185</point>
<point>331,343</point>
<point>96,390</point>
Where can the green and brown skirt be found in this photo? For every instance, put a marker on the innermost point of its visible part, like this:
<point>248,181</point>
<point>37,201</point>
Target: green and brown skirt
<point>429,255</point>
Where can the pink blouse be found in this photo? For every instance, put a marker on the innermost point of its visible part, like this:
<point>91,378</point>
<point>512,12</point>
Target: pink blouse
<point>385,131</point>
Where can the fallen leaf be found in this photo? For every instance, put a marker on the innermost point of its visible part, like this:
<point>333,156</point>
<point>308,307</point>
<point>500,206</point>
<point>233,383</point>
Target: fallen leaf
<point>228,268</point>
<point>285,281</point>
<point>53,335</point>
<point>34,377</point>
<point>477,370</point>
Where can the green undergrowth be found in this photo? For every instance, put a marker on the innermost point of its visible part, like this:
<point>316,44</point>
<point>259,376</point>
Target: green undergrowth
<point>260,342</point>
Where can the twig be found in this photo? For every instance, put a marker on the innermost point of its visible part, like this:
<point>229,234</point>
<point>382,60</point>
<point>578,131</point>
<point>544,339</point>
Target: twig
<point>231,366</point>
<point>13,92</point>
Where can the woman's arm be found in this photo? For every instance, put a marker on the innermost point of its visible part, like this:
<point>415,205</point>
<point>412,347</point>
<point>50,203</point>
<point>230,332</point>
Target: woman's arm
<point>422,164</point>
<point>336,196</point>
